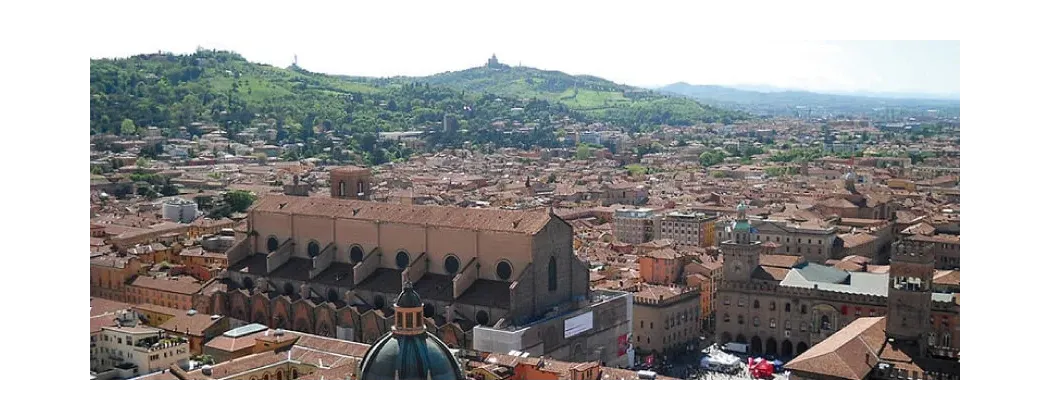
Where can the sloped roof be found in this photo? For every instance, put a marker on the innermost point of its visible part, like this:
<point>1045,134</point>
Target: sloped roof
<point>850,353</point>
<point>530,221</point>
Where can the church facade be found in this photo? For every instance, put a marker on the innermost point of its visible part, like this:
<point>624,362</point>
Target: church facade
<point>333,267</point>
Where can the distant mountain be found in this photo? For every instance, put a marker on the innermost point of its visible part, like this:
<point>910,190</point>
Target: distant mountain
<point>788,102</point>
<point>589,95</point>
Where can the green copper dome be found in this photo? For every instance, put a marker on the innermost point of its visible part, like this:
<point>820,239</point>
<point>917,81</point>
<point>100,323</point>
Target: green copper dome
<point>408,351</point>
<point>409,357</point>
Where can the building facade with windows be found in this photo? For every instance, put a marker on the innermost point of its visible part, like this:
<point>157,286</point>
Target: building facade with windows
<point>784,318</point>
<point>633,226</point>
<point>815,243</point>
<point>694,229</point>
<point>665,317</point>
<point>122,351</point>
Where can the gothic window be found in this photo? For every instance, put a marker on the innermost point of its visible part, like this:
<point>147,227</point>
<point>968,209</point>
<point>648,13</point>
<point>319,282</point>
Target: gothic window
<point>756,305</point>
<point>379,301</point>
<point>803,309</point>
<point>313,249</point>
<point>482,317</point>
<point>272,244</point>
<point>787,307</point>
<point>552,275</point>
<point>772,322</point>
<point>248,283</point>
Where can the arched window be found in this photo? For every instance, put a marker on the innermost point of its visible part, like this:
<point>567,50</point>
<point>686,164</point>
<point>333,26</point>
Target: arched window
<point>772,322</point>
<point>756,305</point>
<point>401,259</point>
<point>825,324</point>
<point>272,244</point>
<point>289,289</point>
<point>503,270</point>
<point>552,275</point>
<point>313,248</point>
<point>333,295</point>
<point>379,302</point>
<point>482,318</point>
<point>266,376</point>
<point>342,188</point>
<point>248,283</point>
<point>803,309</point>
<point>428,310</point>
<point>740,319</point>
<point>451,265</point>
<point>280,375</point>
<point>295,374</point>
<point>356,254</point>
<point>787,307</point>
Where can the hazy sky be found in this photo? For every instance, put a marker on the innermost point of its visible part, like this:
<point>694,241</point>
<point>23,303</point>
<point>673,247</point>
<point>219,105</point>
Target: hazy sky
<point>385,40</point>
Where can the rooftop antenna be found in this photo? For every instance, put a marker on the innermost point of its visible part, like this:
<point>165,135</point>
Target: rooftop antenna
<point>295,60</point>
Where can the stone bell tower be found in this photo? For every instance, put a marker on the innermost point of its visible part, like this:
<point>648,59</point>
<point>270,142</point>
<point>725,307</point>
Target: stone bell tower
<point>910,292</point>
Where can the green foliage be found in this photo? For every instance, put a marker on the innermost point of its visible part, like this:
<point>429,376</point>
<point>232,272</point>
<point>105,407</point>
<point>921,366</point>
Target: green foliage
<point>552,179</point>
<point>635,169</point>
<point>797,155</point>
<point>171,91</point>
<point>718,174</point>
<point>239,200</point>
<point>583,151</point>
<point>712,157</point>
<point>127,127</point>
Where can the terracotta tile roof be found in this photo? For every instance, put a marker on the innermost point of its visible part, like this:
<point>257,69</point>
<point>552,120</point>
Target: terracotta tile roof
<point>947,277</point>
<point>186,285</point>
<point>781,261</point>
<point>530,221</point>
<point>849,353</point>
<point>189,324</point>
<point>852,240</point>
<point>101,306</point>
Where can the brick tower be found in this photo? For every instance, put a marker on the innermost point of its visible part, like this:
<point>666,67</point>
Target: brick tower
<point>910,292</point>
<point>741,250</point>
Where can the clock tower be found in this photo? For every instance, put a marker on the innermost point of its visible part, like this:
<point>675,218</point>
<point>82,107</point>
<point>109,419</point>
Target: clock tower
<point>741,250</point>
<point>910,292</point>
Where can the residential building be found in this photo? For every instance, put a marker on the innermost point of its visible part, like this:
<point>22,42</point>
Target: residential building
<point>666,317</point>
<point>634,226</point>
<point>661,266</point>
<point>125,350</point>
<point>696,229</point>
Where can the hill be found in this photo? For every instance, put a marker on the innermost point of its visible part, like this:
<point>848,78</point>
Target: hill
<point>788,102</point>
<point>170,91</point>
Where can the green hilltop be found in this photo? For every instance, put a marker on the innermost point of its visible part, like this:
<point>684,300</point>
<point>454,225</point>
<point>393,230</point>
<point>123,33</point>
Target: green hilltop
<point>171,91</point>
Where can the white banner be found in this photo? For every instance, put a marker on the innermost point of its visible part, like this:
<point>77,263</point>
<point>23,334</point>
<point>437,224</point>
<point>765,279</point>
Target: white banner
<point>579,324</point>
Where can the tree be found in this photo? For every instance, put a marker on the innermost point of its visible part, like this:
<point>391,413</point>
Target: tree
<point>127,127</point>
<point>582,151</point>
<point>551,179</point>
<point>239,200</point>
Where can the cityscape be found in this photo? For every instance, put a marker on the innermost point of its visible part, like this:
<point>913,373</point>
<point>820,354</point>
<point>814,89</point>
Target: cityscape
<point>502,222</point>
